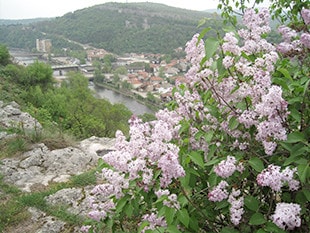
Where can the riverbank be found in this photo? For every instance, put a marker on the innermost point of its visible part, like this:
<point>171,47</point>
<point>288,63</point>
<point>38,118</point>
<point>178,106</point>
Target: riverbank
<point>137,97</point>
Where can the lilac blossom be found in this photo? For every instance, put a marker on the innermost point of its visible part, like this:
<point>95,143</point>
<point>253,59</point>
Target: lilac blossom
<point>305,39</point>
<point>219,192</point>
<point>275,179</point>
<point>85,228</point>
<point>227,167</point>
<point>236,206</point>
<point>287,216</point>
<point>305,13</point>
<point>97,215</point>
<point>172,202</point>
<point>148,149</point>
<point>154,221</point>
<point>231,44</point>
<point>228,61</point>
<point>162,192</point>
<point>287,33</point>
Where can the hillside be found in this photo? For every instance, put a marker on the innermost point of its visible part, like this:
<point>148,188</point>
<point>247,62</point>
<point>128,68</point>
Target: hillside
<point>117,27</point>
<point>21,21</point>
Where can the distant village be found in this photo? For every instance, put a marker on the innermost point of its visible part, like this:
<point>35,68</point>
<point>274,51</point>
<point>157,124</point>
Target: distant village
<point>158,80</point>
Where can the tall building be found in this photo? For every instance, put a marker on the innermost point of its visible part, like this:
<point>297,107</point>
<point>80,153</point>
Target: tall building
<point>44,45</point>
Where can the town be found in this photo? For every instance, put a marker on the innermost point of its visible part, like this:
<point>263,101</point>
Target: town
<point>149,77</point>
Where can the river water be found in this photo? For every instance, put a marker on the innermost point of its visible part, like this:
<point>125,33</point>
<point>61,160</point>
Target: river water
<point>114,97</point>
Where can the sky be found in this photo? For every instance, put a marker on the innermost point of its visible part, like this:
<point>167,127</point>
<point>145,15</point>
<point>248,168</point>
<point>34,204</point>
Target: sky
<point>27,9</point>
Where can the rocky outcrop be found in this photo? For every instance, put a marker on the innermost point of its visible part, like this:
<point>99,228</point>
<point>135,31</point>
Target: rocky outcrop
<point>12,116</point>
<point>40,166</point>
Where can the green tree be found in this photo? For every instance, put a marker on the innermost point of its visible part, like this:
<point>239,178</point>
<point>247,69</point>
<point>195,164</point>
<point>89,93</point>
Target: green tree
<point>107,63</point>
<point>98,74</point>
<point>15,73</point>
<point>4,55</point>
<point>126,85</point>
<point>37,73</point>
<point>150,97</point>
<point>121,70</point>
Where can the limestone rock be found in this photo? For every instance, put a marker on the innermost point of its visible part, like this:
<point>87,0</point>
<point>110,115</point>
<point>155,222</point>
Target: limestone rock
<point>75,199</point>
<point>12,116</point>
<point>45,224</point>
<point>42,166</point>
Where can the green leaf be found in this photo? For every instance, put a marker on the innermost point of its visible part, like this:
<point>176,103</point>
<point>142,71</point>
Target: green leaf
<point>194,224</point>
<point>260,231</point>
<point>212,149</point>
<point>208,136</point>
<point>271,227</point>
<point>257,164</point>
<point>229,230</point>
<point>294,155</point>
<point>251,203</point>
<point>213,179</point>
<point>303,172</point>
<point>120,204</point>
<point>173,229</point>
<point>211,45</point>
<point>233,123</point>
<point>295,114</point>
<point>295,137</point>
<point>221,205</point>
<point>143,225</point>
<point>257,219</point>
<point>306,87</point>
<point>185,180</point>
<point>169,214</point>
<point>281,82</point>
<point>197,158</point>
<point>183,201</point>
<point>129,210</point>
<point>286,146</point>
<point>306,192</point>
<point>212,162</point>
<point>203,32</point>
<point>183,217</point>
<point>285,73</point>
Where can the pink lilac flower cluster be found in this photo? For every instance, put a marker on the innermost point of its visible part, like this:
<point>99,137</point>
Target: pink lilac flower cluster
<point>305,13</point>
<point>275,179</point>
<point>172,202</point>
<point>287,216</point>
<point>154,222</point>
<point>148,149</point>
<point>236,206</point>
<point>227,167</point>
<point>291,45</point>
<point>100,208</point>
<point>85,228</point>
<point>248,81</point>
<point>172,199</point>
<point>219,192</point>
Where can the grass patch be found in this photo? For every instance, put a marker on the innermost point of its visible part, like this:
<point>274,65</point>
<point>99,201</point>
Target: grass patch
<point>13,146</point>
<point>84,179</point>
<point>12,213</point>
<point>7,189</point>
<point>19,141</point>
<point>14,203</point>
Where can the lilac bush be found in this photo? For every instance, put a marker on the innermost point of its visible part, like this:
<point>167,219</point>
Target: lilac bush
<point>229,154</point>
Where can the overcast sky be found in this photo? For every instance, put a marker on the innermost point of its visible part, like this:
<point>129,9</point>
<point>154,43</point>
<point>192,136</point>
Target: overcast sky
<point>25,9</point>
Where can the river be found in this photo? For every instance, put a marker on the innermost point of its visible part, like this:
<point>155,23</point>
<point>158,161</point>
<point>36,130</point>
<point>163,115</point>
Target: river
<point>114,97</point>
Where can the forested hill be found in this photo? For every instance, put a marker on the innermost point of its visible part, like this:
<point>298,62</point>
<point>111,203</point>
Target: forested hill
<point>126,27</point>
